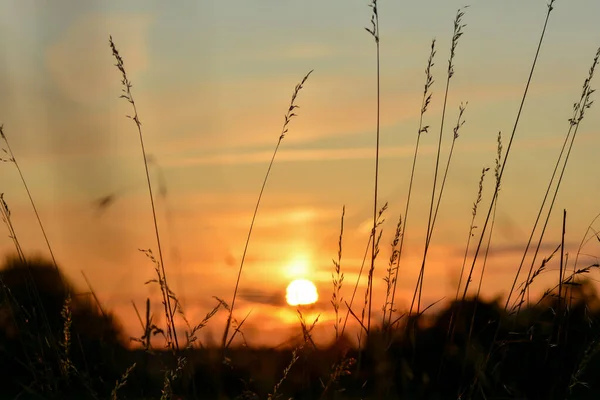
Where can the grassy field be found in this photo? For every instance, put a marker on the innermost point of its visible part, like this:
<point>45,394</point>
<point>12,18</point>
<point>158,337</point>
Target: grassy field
<point>57,341</point>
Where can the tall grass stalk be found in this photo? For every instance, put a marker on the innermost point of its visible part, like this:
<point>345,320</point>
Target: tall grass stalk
<point>288,117</point>
<point>127,95</point>
<point>427,95</point>
<point>374,31</point>
<point>458,32</point>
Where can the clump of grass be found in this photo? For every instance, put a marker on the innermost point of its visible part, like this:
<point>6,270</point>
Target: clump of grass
<point>192,333</point>
<point>170,377</point>
<point>306,333</point>
<point>149,328</point>
<point>570,280</point>
<point>529,281</point>
<point>338,370</point>
<point>284,130</point>
<point>167,296</point>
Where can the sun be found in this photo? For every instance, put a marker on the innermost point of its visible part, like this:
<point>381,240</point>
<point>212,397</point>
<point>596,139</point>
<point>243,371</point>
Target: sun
<point>301,292</point>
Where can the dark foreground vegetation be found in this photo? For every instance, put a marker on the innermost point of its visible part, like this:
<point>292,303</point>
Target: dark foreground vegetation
<point>56,344</point>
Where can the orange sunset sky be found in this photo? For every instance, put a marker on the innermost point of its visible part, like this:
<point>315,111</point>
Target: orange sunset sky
<point>212,81</point>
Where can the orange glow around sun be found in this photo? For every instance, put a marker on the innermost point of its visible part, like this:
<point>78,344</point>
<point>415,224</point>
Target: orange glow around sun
<point>301,292</point>
<point>298,267</point>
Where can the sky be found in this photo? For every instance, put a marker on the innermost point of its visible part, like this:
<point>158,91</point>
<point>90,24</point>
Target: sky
<point>212,82</point>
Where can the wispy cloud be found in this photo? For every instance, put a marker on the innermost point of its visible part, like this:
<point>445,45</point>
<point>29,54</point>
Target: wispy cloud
<point>290,156</point>
<point>341,153</point>
<point>259,296</point>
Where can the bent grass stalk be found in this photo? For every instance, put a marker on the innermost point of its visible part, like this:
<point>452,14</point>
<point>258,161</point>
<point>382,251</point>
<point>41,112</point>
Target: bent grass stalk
<point>288,117</point>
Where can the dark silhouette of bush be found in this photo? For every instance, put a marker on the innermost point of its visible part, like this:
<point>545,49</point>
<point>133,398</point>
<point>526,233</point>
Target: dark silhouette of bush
<point>51,345</point>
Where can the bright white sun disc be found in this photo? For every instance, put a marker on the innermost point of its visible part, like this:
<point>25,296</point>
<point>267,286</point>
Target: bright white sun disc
<point>301,292</point>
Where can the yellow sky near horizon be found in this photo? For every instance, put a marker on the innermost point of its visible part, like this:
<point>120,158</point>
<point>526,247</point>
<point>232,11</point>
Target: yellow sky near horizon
<point>211,97</point>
